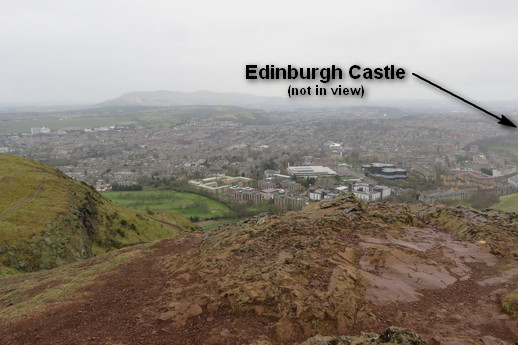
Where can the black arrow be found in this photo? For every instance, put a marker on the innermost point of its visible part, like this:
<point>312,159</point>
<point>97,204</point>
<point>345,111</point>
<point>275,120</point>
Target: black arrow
<point>503,120</point>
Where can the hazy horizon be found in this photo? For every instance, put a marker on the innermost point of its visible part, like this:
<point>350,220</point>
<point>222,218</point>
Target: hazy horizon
<point>87,52</point>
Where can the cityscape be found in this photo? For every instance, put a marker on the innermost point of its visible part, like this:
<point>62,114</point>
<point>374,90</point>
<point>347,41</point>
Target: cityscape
<point>305,156</point>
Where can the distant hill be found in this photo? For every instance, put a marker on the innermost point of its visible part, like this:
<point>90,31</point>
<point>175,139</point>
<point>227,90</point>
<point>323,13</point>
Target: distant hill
<point>48,220</point>
<point>164,98</point>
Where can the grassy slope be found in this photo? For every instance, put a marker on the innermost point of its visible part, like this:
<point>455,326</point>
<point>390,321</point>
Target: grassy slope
<point>508,203</point>
<point>47,219</point>
<point>507,146</point>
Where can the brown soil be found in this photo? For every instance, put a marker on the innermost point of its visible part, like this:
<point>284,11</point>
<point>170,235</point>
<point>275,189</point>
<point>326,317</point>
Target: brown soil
<point>123,307</point>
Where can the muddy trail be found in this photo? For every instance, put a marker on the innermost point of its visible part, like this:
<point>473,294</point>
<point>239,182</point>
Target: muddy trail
<point>110,310</point>
<point>283,279</point>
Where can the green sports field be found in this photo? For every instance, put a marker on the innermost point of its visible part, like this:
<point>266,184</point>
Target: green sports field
<point>166,201</point>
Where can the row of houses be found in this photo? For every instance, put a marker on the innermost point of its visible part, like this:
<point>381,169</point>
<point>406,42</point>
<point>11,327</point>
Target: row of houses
<point>474,179</point>
<point>463,194</point>
<point>279,196</point>
<point>245,194</point>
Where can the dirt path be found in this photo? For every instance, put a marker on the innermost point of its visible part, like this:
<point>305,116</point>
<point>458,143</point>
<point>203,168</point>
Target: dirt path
<point>11,208</point>
<point>166,223</point>
<point>124,307</point>
<point>112,311</point>
<point>7,179</point>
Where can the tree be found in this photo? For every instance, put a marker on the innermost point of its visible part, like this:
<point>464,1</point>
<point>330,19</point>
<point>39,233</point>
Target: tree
<point>306,182</point>
<point>270,164</point>
<point>482,200</point>
<point>487,171</point>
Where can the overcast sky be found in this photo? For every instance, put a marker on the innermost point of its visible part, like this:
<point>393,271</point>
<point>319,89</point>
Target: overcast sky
<point>87,51</point>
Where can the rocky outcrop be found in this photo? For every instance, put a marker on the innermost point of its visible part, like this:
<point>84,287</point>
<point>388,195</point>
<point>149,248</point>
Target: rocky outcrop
<point>333,266</point>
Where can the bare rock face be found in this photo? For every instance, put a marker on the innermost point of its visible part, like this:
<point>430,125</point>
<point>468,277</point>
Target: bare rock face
<point>342,264</point>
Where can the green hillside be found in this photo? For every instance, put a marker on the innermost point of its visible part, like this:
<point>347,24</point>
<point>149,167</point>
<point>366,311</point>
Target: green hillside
<point>508,203</point>
<point>48,219</point>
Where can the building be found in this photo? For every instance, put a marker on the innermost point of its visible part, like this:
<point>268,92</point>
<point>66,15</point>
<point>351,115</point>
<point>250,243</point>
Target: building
<point>384,190</point>
<point>280,177</point>
<point>245,194</point>
<point>271,193</point>
<point>271,172</point>
<point>311,171</point>
<point>318,194</point>
<point>291,186</point>
<point>363,191</point>
<point>505,170</point>
<point>289,203</point>
<point>40,130</point>
<point>220,184</point>
<point>471,178</point>
<point>367,195</point>
<point>103,187</point>
<point>385,170</point>
<point>266,183</point>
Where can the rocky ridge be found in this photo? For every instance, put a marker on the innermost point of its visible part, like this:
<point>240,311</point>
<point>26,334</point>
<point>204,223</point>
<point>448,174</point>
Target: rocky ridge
<point>339,267</point>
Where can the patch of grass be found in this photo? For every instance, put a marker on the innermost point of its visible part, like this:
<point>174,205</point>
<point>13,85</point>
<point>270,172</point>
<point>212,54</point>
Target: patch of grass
<point>169,202</point>
<point>504,268</point>
<point>317,323</point>
<point>510,303</point>
<point>7,271</point>
<point>508,146</point>
<point>508,203</point>
<point>212,224</point>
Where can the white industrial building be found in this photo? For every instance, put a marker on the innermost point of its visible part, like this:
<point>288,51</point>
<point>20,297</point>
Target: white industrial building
<point>311,171</point>
<point>40,130</point>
